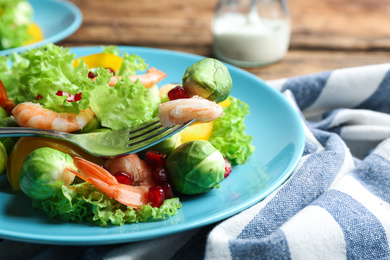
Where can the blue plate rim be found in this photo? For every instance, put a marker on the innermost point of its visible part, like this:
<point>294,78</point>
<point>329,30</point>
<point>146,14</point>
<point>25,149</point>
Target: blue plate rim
<point>169,230</point>
<point>57,37</point>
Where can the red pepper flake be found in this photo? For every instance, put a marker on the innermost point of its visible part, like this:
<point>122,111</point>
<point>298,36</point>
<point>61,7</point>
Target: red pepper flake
<point>39,97</point>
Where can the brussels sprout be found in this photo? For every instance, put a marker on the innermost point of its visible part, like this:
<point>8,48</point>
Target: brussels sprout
<point>44,171</point>
<point>195,167</point>
<point>5,120</point>
<point>8,143</point>
<point>3,158</point>
<point>208,78</point>
<point>8,122</point>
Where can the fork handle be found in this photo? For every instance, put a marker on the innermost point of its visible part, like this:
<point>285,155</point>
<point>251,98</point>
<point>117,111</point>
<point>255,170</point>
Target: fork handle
<point>23,131</point>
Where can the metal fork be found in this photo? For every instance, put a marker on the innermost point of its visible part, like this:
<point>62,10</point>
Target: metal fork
<point>108,143</point>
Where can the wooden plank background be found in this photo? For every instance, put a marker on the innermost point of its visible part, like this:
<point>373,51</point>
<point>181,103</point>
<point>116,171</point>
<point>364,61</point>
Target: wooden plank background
<point>326,34</point>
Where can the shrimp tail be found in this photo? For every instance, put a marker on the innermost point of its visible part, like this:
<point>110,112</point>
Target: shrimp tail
<point>133,196</point>
<point>96,175</point>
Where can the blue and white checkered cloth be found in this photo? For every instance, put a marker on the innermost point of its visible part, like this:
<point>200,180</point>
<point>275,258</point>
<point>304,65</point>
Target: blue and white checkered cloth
<point>336,204</point>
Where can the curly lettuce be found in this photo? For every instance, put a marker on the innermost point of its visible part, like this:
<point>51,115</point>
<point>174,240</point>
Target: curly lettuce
<point>83,201</point>
<point>38,74</point>
<point>228,134</point>
<point>15,16</point>
<point>124,105</point>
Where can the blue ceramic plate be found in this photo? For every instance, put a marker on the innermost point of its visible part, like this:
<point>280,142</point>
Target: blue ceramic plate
<point>278,137</point>
<point>57,19</point>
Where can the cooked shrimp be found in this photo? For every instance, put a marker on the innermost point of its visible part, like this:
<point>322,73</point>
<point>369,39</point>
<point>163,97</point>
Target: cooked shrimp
<point>180,111</point>
<point>151,78</point>
<point>133,196</point>
<point>140,172</point>
<point>34,115</point>
<point>5,103</point>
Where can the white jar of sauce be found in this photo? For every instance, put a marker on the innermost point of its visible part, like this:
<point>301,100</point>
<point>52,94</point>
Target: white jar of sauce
<point>251,33</point>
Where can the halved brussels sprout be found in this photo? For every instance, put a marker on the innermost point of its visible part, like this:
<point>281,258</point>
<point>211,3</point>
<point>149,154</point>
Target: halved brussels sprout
<point>44,171</point>
<point>195,167</point>
<point>208,78</point>
<point>3,158</point>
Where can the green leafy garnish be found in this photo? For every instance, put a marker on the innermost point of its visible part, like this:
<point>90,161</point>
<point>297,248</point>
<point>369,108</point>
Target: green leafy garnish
<point>229,136</point>
<point>15,16</point>
<point>83,201</point>
<point>37,75</point>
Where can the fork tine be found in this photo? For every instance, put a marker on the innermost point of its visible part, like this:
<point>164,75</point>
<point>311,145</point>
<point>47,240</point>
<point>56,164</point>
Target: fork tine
<point>144,126</point>
<point>151,139</point>
<point>107,144</point>
<point>149,136</point>
<point>144,131</point>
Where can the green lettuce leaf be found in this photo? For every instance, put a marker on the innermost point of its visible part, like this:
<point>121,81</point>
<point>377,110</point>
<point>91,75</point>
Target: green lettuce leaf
<point>112,49</point>
<point>124,105</point>
<point>43,71</point>
<point>8,77</point>
<point>131,62</point>
<point>15,15</point>
<point>228,134</point>
<point>80,202</point>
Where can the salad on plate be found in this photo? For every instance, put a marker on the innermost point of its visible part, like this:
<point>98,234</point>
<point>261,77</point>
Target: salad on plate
<point>49,88</point>
<point>17,27</point>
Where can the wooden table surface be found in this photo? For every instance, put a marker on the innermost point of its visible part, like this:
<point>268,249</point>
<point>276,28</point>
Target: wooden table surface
<point>325,34</point>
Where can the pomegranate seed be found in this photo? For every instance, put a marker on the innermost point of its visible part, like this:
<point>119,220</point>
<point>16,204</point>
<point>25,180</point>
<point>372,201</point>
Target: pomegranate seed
<point>228,168</point>
<point>39,97</point>
<point>155,159</point>
<point>63,93</point>
<point>156,196</point>
<point>110,70</point>
<point>160,175</point>
<point>77,97</point>
<point>123,177</point>
<point>177,93</point>
<point>91,75</point>
<point>70,98</point>
<point>167,190</point>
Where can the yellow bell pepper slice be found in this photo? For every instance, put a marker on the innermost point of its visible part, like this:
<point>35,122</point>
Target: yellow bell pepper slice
<point>105,60</point>
<point>196,131</point>
<point>25,145</point>
<point>225,103</point>
<point>35,31</point>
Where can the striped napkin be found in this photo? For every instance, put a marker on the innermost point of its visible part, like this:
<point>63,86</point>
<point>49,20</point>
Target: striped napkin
<point>334,206</point>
